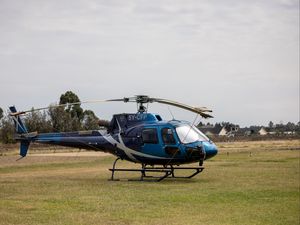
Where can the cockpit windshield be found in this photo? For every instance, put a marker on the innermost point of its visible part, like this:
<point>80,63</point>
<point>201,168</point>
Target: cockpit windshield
<point>189,134</point>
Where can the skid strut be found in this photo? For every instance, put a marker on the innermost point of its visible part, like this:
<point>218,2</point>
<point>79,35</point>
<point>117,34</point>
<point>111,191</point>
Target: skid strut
<point>167,171</point>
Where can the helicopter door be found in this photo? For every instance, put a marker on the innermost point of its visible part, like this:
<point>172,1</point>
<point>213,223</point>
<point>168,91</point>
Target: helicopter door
<point>150,141</point>
<point>169,141</point>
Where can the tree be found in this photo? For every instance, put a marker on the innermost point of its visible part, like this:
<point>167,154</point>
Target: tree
<point>298,128</point>
<point>1,113</point>
<point>90,120</point>
<point>279,128</point>
<point>290,126</point>
<point>60,120</point>
<point>37,121</point>
<point>218,125</point>
<point>7,131</point>
<point>75,110</point>
<point>271,124</point>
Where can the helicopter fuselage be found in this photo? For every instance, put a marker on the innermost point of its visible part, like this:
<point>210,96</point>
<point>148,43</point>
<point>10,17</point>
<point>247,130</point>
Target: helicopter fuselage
<point>141,138</point>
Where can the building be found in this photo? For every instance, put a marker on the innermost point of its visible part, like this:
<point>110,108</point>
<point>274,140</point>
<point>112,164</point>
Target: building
<point>214,130</point>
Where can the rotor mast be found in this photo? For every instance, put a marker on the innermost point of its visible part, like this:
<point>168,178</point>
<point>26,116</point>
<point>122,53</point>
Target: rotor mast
<point>141,100</point>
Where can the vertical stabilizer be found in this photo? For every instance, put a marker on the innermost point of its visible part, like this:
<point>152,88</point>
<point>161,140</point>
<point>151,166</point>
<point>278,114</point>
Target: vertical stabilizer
<point>24,147</point>
<point>20,129</point>
<point>19,125</point>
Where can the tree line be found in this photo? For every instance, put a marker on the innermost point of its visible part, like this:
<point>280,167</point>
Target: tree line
<point>55,119</point>
<point>279,128</point>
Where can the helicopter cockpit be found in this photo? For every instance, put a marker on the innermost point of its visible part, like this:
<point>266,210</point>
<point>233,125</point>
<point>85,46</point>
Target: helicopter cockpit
<point>177,138</point>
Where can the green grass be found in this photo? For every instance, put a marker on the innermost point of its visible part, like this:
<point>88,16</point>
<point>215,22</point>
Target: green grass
<point>236,187</point>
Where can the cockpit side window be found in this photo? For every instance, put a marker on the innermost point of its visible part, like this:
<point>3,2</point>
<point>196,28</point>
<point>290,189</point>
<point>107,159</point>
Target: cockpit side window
<point>149,135</point>
<point>168,136</point>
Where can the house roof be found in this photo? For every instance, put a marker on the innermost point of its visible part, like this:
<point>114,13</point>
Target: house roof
<point>212,130</point>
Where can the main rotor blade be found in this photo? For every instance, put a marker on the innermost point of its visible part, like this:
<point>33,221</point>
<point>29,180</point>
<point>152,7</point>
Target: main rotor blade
<point>200,111</point>
<point>138,99</point>
<point>56,106</point>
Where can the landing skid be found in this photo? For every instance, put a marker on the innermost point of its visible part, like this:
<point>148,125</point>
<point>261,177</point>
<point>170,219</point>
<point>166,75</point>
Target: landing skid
<point>167,171</point>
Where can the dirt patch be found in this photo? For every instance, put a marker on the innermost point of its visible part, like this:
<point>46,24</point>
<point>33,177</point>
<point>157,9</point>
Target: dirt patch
<point>41,158</point>
<point>66,172</point>
<point>71,154</point>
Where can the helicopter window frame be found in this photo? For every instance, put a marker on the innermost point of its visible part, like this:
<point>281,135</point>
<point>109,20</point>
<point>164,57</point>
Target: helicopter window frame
<point>149,136</point>
<point>168,137</point>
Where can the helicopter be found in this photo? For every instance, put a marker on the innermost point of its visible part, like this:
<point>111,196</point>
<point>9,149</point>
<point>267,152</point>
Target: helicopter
<point>159,146</point>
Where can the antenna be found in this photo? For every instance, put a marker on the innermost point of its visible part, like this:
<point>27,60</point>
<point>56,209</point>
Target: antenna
<point>173,118</point>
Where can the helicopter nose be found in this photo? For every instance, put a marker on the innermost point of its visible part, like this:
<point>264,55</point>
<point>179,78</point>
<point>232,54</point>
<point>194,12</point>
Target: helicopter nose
<point>210,149</point>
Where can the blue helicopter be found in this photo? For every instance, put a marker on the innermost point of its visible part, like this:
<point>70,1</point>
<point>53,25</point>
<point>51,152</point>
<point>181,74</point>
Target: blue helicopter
<point>145,138</point>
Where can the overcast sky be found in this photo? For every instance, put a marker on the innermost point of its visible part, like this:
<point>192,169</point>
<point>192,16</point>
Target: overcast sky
<point>239,58</point>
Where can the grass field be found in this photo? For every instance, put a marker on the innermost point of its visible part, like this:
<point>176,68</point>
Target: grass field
<point>246,183</point>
